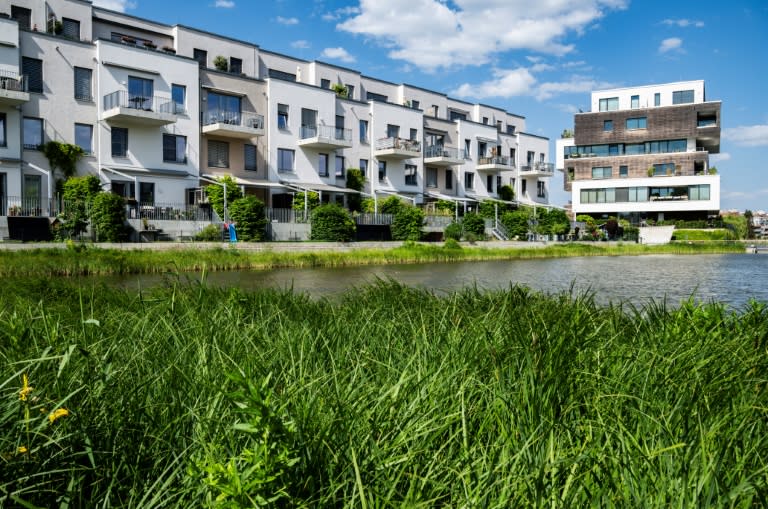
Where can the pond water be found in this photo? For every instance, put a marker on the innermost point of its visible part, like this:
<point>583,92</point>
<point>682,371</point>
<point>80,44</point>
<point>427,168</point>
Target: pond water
<point>732,278</point>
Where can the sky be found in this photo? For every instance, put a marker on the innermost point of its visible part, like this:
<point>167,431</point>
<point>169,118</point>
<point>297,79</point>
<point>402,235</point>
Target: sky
<point>539,59</point>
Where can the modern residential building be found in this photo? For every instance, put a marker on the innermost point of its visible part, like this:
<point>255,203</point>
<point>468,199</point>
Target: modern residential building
<point>642,153</point>
<point>161,110</point>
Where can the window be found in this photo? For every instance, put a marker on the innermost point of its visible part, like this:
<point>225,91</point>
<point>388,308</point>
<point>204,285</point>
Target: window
<point>84,137</point>
<point>363,131</point>
<point>609,104</point>
<point>119,142</point>
<point>435,110</point>
<point>657,99</point>
<point>364,167</point>
<point>124,188</point>
<point>282,116</point>
<point>339,131</point>
<point>682,97</point>
<point>3,139</point>
<point>174,148</point>
<point>249,157</point>
<point>70,28</point>
<point>623,171</point>
<point>223,108</point>
<point>33,133</point>
<point>415,105</point>
<point>431,177</point>
<point>22,15</point>
<point>218,154</point>
<point>350,92</point>
<point>140,92</point>
<point>469,180</point>
<point>339,167</point>
<point>83,78</point>
<point>467,149</point>
<point>449,179</point>
<point>281,75</point>
<point>700,192</point>
<point>663,169</point>
<point>510,129</point>
<point>235,65</point>
<point>513,156</point>
<point>324,83</point>
<point>601,172</point>
<point>393,131</point>
<point>485,120</point>
<point>541,158</point>
<point>608,125</point>
<point>636,123</point>
<point>382,170</point>
<point>456,115</point>
<point>635,101</point>
<point>523,187</point>
<point>489,183</point>
<point>414,134</point>
<point>285,160</point>
<point>541,189</point>
<point>322,166</point>
<point>370,96</point>
<point>32,68</point>
<point>410,175</point>
<point>201,56</point>
<point>146,192</point>
<point>498,182</point>
<point>529,158</point>
<point>179,97</point>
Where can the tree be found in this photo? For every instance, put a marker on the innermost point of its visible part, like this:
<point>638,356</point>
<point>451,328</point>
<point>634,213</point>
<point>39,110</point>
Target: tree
<point>750,229</point>
<point>332,223</point>
<point>215,194</point>
<point>78,194</point>
<point>559,224</point>
<point>516,223</point>
<point>506,193</point>
<point>249,216</point>
<point>407,223</point>
<point>341,90</point>
<point>108,216</point>
<point>474,224</point>
<point>567,133</point>
<point>391,205</point>
<point>356,181</point>
<point>313,201</point>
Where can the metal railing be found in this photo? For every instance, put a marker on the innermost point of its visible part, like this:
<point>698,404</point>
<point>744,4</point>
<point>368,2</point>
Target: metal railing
<point>123,99</point>
<point>545,167</point>
<point>12,81</point>
<point>372,219</point>
<point>398,144</point>
<point>326,132</point>
<point>26,207</point>
<point>447,152</point>
<point>499,160</point>
<point>238,118</point>
<point>438,221</point>
<point>286,216</point>
<point>168,211</point>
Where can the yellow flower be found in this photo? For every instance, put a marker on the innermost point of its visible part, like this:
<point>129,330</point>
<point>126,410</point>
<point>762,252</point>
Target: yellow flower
<point>22,450</point>
<point>25,388</point>
<point>59,412</point>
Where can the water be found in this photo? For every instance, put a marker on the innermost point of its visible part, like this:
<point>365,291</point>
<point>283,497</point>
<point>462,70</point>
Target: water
<point>733,279</point>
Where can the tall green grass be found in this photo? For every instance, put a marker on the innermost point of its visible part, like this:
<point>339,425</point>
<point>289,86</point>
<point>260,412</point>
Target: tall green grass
<point>389,397</point>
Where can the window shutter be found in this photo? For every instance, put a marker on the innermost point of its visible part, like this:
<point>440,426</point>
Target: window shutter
<point>33,69</point>
<point>83,84</point>
<point>71,28</point>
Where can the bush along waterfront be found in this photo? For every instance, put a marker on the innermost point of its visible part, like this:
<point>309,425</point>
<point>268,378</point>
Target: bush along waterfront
<point>188,396</point>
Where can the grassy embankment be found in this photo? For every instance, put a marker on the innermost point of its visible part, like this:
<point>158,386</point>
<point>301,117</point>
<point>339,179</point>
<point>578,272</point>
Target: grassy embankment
<point>391,397</point>
<point>97,261</point>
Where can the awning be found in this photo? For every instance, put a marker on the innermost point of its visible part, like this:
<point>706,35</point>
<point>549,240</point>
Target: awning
<point>477,197</point>
<point>312,186</point>
<point>487,140</point>
<point>150,172</point>
<point>129,67</point>
<point>447,197</point>
<point>246,182</point>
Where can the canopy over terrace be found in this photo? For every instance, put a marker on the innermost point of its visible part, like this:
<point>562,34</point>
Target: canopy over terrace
<point>318,187</point>
<point>455,199</point>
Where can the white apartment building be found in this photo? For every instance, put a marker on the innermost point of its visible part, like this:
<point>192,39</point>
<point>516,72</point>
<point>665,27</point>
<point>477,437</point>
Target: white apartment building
<point>642,153</point>
<point>160,110</point>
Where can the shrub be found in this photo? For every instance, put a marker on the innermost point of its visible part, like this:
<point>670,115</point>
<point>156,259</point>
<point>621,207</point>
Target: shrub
<point>78,193</point>
<point>391,205</point>
<point>516,223</point>
<point>446,206</point>
<point>63,156</point>
<point>221,63</point>
<point>407,223</point>
<point>452,244</point>
<point>474,224</point>
<point>211,233</point>
<point>453,231</point>
<point>108,216</point>
<point>248,216</point>
<point>356,181</point>
<point>332,223</point>
<point>506,193</point>
<point>313,201</point>
<point>216,194</point>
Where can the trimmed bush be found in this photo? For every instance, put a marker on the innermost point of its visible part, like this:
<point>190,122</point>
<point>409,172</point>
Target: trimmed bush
<point>332,223</point>
<point>407,223</point>
<point>516,223</point>
<point>453,231</point>
<point>108,216</point>
<point>249,218</point>
<point>211,233</point>
<point>474,224</point>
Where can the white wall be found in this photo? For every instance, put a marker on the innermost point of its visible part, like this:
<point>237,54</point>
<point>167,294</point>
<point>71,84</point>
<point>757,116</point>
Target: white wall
<point>188,39</point>
<point>646,93</point>
<point>407,118</point>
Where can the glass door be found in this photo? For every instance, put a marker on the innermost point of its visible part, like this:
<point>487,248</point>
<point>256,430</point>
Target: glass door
<point>33,188</point>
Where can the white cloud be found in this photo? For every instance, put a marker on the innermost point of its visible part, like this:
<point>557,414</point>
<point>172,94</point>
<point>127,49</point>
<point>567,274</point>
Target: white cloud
<point>683,23</point>
<point>671,44</point>
<point>434,34</point>
<point>300,44</point>
<point>722,156</point>
<point>339,13</point>
<point>287,21</point>
<point>747,136</point>
<point>505,83</point>
<point>115,5</point>
<point>224,4</point>
<point>575,85</point>
<point>338,54</point>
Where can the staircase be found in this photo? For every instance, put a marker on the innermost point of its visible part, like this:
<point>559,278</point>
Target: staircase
<point>500,232</point>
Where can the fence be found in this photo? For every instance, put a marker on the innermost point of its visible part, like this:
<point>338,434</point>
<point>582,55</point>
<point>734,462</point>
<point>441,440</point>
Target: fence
<point>373,219</point>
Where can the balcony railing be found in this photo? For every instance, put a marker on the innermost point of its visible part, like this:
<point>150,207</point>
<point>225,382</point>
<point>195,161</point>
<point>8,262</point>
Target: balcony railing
<point>326,132</point>
<point>13,81</point>
<point>544,167</point>
<point>496,160</point>
<point>446,152</point>
<point>235,118</point>
<point>398,144</point>
<point>286,216</point>
<point>123,99</point>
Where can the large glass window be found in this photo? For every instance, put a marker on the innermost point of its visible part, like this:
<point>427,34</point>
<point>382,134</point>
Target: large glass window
<point>382,170</point>
<point>140,92</point>
<point>682,97</point>
<point>609,104</point>
<point>147,192</point>
<point>174,148</point>
<point>456,115</point>
<point>449,179</point>
<point>700,192</point>
<point>249,157</point>
<point>32,68</point>
<point>393,131</point>
<point>83,80</point>
<point>601,172</point>
<point>410,175</point>
<point>282,116</point>
<point>431,177</point>
<point>223,108</point>
<point>662,169</point>
<point>363,131</point>
<point>469,180</point>
<point>179,97</point>
<point>3,138</point>
<point>119,142</point>
<point>84,137</point>
<point>340,167</point>
<point>636,123</point>
<point>33,133</point>
<point>322,165</point>
<point>285,158</point>
<point>371,96</point>
<point>218,154</point>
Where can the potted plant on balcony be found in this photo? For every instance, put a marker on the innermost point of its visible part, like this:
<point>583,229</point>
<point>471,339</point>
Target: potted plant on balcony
<point>128,39</point>
<point>651,171</point>
<point>169,49</point>
<point>341,90</point>
<point>220,63</point>
<point>150,45</point>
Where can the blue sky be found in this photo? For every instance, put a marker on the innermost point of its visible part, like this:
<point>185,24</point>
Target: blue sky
<point>537,59</point>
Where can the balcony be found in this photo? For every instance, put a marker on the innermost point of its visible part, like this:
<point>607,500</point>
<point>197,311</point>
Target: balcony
<point>537,170</point>
<point>120,106</point>
<point>495,163</point>
<point>396,149</point>
<point>437,155</point>
<point>13,89</point>
<point>325,137</point>
<point>233,124</point>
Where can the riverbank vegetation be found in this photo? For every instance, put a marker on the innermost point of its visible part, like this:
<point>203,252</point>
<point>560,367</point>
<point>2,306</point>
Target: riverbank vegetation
<point>189,396</point>
<point>81,260</point>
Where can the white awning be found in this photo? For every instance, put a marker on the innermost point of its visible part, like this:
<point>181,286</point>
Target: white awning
<point>316,186</point>
<point>477,197</point>
<point>150,172</point>
<point>246,182</point>
<point>487,140</point>
<point>448,197</point>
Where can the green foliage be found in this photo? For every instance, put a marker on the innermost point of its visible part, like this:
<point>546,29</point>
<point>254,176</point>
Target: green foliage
<point>506,193</point>
<point>340,89</point>
<point>474,223</point>
<point>249,217</point>
<point>313,201</point>
<point>738,224</point>
<point>78,194</point>
<point>391,205</point>
<point>356,181</point>
<point>221,63</point>
<point>447,207</point>
<point>62,156</point>
<point>216,194</point>
<point>453,231</point>
<point>557,222</point>
<point>589,220</point>
<point>332,223</point>
<point>488,208</point>
<point>451,243</point>
<point>713,170</point>
<point>567,133</point>
<point>516,223</point>
<point>211,233</point>
<point>108,216</point>
<point>407,224</point>
<point>717,234</point>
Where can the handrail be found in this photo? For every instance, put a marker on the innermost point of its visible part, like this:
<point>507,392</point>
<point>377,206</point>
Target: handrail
<point>326,132</point>
<point>237,118</point>
<point>123,99</point>
<point>398,144</point>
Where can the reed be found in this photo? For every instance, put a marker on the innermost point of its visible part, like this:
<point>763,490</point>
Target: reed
<point>389,396</point>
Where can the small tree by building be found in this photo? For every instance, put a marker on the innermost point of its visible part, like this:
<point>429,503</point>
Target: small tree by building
<point>215,194</point>
<point>407,223</point>
<point>78,195</point>
<point>221,63</point>
<point>249,217</point>
<point>108,217</point>
<point>474,224</point>
<point>332,223</point>
<point>356,181</point>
